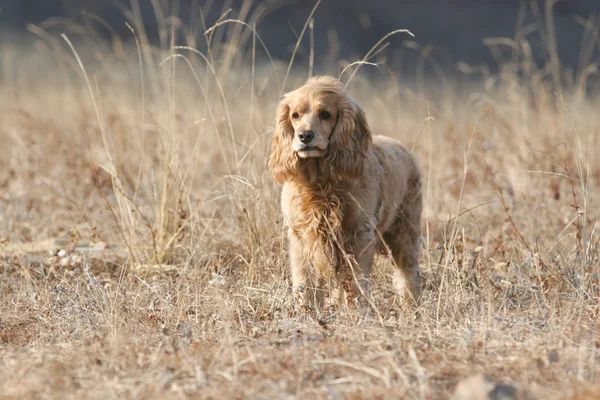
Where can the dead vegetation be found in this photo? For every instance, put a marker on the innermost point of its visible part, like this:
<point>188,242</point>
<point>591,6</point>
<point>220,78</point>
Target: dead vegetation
<point>142,252</point>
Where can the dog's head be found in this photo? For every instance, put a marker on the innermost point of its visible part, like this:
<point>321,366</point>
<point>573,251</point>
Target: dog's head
<point>319,120</point>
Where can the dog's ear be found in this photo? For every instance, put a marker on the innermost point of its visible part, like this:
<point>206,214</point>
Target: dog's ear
<point>283,161</point>
<point>349,143</point>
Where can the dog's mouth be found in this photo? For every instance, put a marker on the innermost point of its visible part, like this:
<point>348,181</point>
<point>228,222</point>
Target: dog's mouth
<point>309,148</point>
<point>310,151</point>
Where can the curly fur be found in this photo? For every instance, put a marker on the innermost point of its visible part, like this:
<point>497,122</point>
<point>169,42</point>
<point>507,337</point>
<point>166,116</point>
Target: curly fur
<point>359,194</point>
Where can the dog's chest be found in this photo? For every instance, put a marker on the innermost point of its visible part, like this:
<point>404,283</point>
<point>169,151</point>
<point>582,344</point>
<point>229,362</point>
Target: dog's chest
<point>317,211</point>
<point>318,222</point>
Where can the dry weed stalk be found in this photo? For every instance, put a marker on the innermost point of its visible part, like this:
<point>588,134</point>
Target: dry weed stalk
<point>175,281</point>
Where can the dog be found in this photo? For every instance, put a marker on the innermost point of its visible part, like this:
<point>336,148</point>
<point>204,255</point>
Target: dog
<point>346,194</point>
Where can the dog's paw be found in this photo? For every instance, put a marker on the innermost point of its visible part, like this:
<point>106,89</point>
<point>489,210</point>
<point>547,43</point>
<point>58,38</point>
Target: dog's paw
<point>302,303</point>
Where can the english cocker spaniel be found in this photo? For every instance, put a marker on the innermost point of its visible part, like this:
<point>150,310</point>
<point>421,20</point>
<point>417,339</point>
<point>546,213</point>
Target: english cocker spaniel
<point>346,194</point>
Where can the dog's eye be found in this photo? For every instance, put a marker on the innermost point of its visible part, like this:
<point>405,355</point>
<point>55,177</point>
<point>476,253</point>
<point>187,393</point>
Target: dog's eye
<point>295,115</point>
<point>324,115</point>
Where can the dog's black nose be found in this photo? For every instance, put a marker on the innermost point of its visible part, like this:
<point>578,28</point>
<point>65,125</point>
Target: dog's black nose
<point>306,136</point>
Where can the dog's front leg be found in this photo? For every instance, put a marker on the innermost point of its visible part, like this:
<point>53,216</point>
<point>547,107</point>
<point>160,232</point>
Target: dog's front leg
<point>364,251</point>
<point>305,282</point>
<point>355,271</point>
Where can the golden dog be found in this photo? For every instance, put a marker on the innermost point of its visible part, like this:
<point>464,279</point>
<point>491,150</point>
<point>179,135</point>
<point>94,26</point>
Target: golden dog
<point>345,194</point>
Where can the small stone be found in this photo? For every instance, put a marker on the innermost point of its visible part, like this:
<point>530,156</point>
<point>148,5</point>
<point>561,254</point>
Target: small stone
<point>99,246</point>
<point>185,332</point>
<point>552,356</point>
<point>61,253</point>
<point>503,391</point>
<point>479,387</point>
<point>500,267</point>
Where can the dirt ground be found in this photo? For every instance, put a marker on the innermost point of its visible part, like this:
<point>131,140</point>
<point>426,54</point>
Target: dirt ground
<point>142,252</point>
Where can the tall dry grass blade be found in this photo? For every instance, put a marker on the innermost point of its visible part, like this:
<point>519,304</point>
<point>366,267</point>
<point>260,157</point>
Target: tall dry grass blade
<point>428,200</point>
<point>136,19</point>
<point>255,35</point>
<point>347,67</point>
<point>553,46</point>
<point>454,231</point>
<point>584,181</point>
<point>234,142</point>
<point>289,68</point>
<point>125,214</point>
<point>234,40</point>
<point>142,109</point>
<point>369,53</point>
<point>311,55</point>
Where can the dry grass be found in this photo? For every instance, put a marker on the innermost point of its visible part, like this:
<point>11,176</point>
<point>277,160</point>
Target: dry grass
<point>172,277</point>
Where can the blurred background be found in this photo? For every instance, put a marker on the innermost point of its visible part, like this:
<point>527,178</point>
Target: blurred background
<point>453,34</point>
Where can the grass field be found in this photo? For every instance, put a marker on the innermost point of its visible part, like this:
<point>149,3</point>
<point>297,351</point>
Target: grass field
<point>142,252</point>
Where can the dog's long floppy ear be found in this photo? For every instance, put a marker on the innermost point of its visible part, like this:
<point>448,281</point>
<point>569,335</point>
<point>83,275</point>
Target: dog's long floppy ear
<point>283,160</point>
<point>349,143</point>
